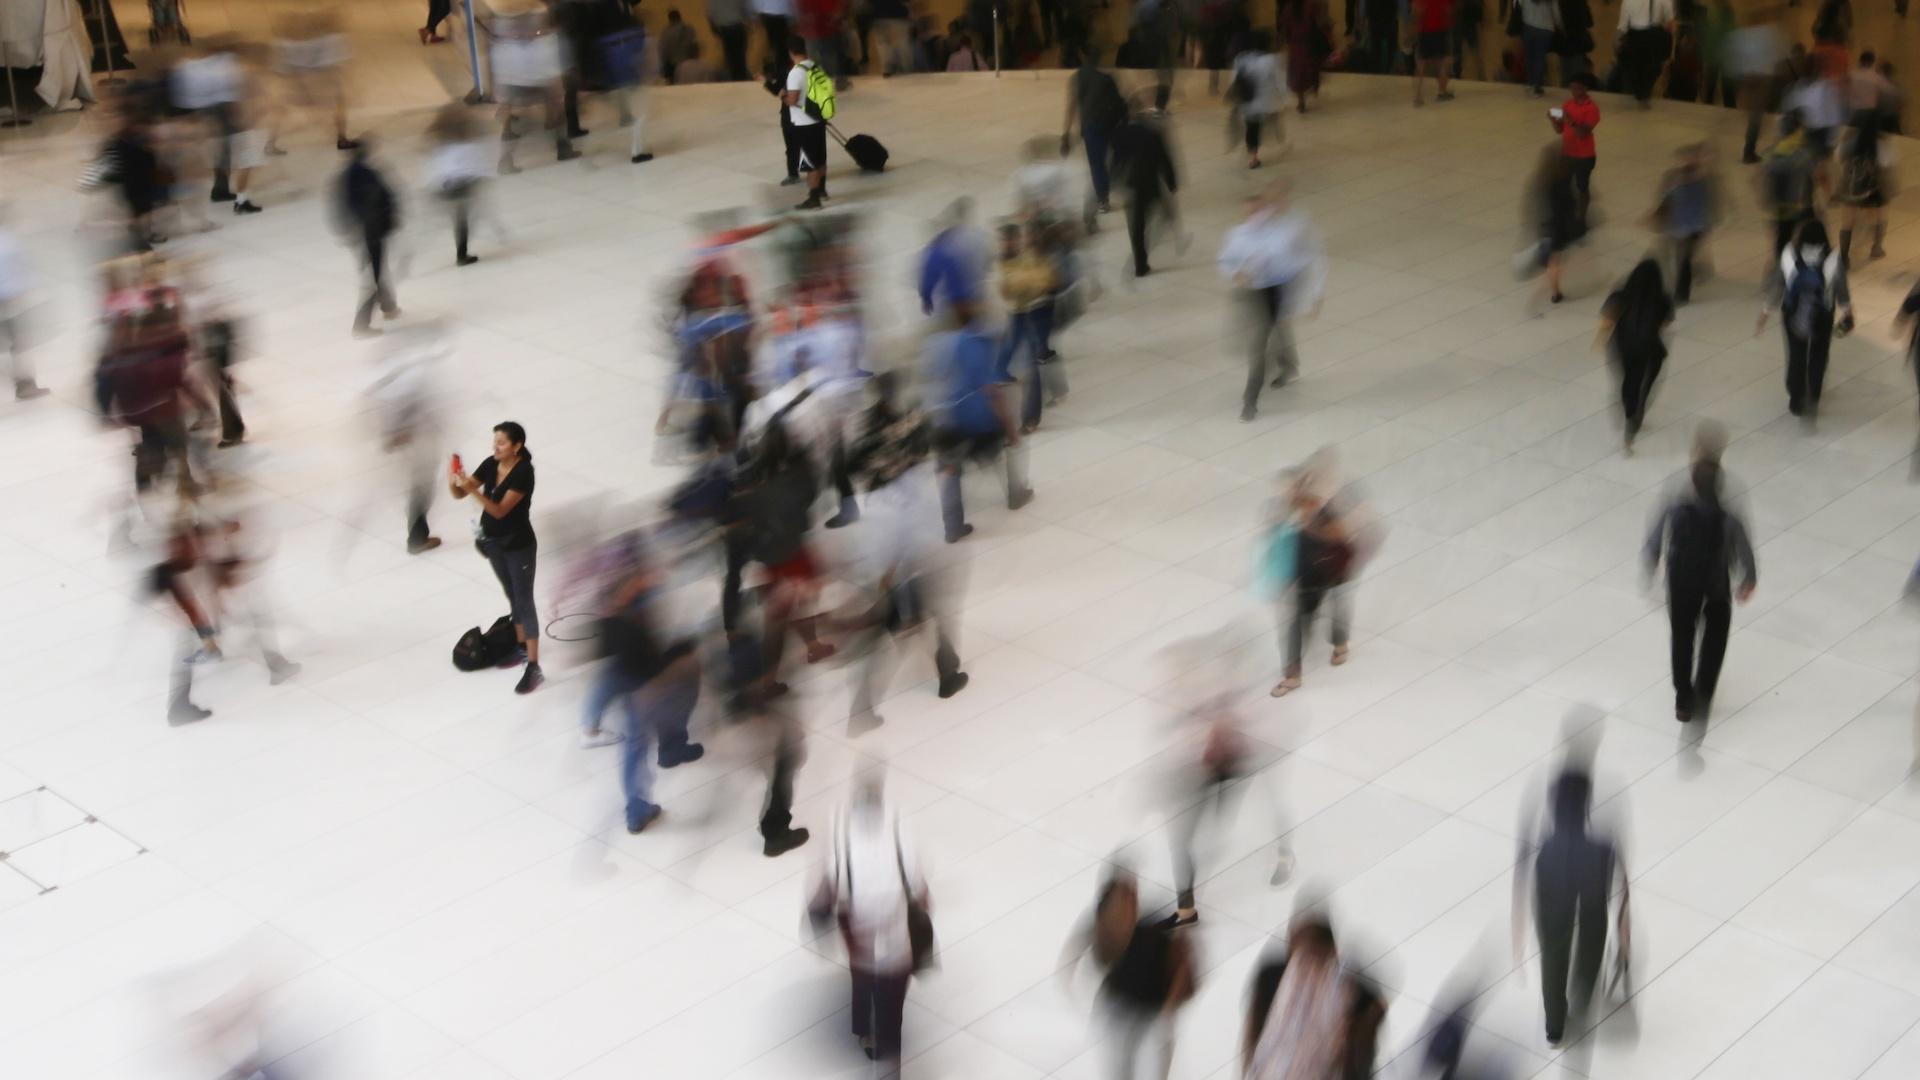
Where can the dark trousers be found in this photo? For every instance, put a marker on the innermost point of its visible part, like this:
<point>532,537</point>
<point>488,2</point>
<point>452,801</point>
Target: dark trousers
<point>419,497</point>
<point>1096,144</point>
<point>1582,171</point>
<point>1641,56</point>
<point>790,136</point>
<point>232,427</point>
<point>570,106</point>
<point>1140,208</point>
<point>777,818</point>
<point>514,570</point>
<point>1571,944</point>
<point>1753,95</point>
<point>1638,370</point>
<point>437,11</point>
<point>777,30</point>
<point>1729,89</point>
<point>1269,334</point>
<point>1536,44</point>
<point>1707,612</point>
<point>1684,250</point>
<point>378,294</point>
<point>879,1007</point>
<point>733,45</point>
<point>1306,603</point>
<point>1807,362</point>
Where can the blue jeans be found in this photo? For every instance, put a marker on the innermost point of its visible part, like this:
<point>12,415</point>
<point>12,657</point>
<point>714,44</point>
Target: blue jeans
<point>1536,42</point>
<point>660,708</point>
<point>611,683</point>
<point>1031,329</point>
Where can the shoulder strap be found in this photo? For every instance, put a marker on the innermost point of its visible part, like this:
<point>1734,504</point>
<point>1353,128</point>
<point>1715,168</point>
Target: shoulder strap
<point>900,861</point>
<point>846,851</point>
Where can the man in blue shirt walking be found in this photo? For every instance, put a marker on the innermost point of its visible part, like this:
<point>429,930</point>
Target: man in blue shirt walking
<point>971,418</point>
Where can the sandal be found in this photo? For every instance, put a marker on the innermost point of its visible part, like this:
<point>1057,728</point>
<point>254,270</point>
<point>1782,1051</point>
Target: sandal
<point>819,650</point>
<point>1339,656</point>
<point>1285,686</point>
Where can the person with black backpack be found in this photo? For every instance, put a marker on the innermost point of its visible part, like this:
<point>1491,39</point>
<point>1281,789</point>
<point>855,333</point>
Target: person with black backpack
<point>1810,292</point>
<point>1631,322</point>
<point>1703,541</point>
<point>1862,194</point>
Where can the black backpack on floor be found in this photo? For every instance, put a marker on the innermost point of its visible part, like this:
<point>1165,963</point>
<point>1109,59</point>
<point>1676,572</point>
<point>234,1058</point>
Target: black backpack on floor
<point>476,651</point>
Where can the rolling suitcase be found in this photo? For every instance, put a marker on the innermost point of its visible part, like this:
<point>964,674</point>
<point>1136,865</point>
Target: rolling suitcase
<point>865,150</point>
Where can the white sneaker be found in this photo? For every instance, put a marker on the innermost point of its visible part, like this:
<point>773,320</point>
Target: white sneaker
<point>603,737</point>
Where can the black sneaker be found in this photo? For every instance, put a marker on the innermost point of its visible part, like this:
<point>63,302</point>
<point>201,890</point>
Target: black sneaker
<point>346,144</point>
<point>513,659</point>
<point>959,534</point>
<point>635,828</point>
<point>681,755</point>
<point>27,390</point>
<point>1019,498</point>
<point>530,679</point>
<point>777,846</point>
<point>641,159</point>
<point>222,196</point>
<point>1176,920</point>
<point>950,687</point>
<point>577,133</point>
<point>466,260</point>
<point>813,202</point>
<point>416,547</point>
<point>185,712</point>
<point>246,208</point>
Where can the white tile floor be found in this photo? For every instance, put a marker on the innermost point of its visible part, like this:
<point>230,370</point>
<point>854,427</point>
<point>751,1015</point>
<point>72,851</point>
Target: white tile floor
<point>435,875</point>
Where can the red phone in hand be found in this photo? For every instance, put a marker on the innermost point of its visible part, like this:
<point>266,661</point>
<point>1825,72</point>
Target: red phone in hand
<point>454,465</point>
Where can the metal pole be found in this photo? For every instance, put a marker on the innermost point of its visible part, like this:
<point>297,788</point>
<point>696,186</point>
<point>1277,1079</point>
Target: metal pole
<point>996,40</point>
<point>479,93</point>
<point>14,119</point>
<point>106,43</point>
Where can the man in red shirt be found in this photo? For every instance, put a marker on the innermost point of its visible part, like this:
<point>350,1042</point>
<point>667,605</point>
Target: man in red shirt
<point>1575,122</point>
<point>1434,47</point>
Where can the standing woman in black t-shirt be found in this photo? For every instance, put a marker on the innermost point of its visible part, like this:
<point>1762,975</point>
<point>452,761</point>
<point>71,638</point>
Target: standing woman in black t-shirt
<point>503,486</point>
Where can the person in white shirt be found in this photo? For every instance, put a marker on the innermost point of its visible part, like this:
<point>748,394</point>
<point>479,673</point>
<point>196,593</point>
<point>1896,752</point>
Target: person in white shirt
<point>528,62</point>
<point>15,281</point>
<point>1259,81</point>
<point>460,163</point>
<point>309,52</point>
<point>809,132</point>
<point>408,396</point>
<point>1646,39</point>
<point>871,884</point>
<point>1810,291</point>
<point>1278,262</point>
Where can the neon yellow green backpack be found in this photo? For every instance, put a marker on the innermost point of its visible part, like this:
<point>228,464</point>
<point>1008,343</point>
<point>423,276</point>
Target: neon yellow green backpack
<point>819,95</point>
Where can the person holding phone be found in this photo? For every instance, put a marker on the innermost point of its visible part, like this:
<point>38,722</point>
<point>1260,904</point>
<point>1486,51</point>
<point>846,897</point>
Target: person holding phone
<point>1575,121</point>
<point>503,486</point>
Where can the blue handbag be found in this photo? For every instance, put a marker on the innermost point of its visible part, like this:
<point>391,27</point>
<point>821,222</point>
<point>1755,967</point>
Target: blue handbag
<point>1278,560</point>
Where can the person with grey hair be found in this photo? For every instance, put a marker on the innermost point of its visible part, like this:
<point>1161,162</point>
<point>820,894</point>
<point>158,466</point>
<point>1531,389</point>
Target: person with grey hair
<point>872,885</point>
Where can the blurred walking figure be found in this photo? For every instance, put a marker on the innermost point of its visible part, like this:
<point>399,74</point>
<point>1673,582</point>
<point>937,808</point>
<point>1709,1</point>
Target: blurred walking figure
<point>1703,541</point>
<point>437,12</point>
<point>207,86</point>
<point>1336,534</point>
<point>728,21</point>
<point>408,396</point>
<point>1307,29</point>
<point>1258,92</point>
<point>1143,162</point>
<point>1095,102</point>
<point>1633,322</point>
<point>873,886</point>
<point>1433,48</point>
<point>1646,39</point>
<point>243,146</point>
<point>774,500</point>
<point>1689,206</point>
<point>129,163</point>
<point>1793,171</point>
<point>1866,166</point>
<point>529,61</point>
<point>1206,788</point>
<point>503,486</point>
<point>145,380</point>
<point>1810,291</point>
<point>218,334</point>
<point>1539,21</point>
<point>1027,283</point>
<point>627,66</point>
<point>310,53</point>
<point>366,208</point>
<point>657,682</point>
<point>972,419</point>
<point>1277,262</point>
<point>890,456</point>
<point>461,163</point>
<point>1308,1016</point>
<point>953,267</point>
<point>1148,971</point>
<point>206,573</point>
<point>1573,871</point>
<point>1552,207</point>
<point>16,281</point>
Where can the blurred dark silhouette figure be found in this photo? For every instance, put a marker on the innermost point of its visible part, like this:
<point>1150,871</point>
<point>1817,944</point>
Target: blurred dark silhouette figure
<point>1632,324</point>
<point>1148,971</point>
<point>1573,871</point>
<point>368,210</point>
<point>1703,541</point>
